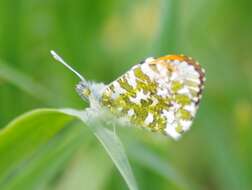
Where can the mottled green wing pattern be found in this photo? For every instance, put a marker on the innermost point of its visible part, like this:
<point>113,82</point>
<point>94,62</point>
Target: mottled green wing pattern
<point>160,94</point>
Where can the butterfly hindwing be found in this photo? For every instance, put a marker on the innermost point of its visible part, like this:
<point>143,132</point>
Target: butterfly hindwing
<point>159,94</point>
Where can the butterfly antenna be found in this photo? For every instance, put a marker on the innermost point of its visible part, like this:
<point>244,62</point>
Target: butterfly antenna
<point>59,59</point>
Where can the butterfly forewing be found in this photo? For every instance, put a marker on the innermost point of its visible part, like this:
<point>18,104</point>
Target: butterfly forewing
<point>159,94</point>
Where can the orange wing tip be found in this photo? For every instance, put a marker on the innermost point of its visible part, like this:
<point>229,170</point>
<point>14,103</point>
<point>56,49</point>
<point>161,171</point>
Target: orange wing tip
<point>171,57</point>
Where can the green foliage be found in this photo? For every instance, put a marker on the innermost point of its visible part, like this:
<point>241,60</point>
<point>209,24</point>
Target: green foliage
<point>23,166</point>
<point>110,142</point>
<point>25,83</point>
<point>27,156</point>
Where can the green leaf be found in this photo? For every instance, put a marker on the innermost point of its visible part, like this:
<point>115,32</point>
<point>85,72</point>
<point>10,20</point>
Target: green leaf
<point>27,148</point>
<point>111,143</point>
<point>34,146</point>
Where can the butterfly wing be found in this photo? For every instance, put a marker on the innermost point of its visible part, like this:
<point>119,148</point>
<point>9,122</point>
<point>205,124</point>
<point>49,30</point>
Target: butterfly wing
<point>160,94</point>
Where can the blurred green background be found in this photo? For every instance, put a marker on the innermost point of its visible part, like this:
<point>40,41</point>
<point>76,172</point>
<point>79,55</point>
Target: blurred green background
<point>102,40</point>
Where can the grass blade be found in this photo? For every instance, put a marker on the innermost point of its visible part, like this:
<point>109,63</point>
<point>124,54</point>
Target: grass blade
<point>112,145</point>
<point>25,83</point>
<point>26,142</point>
<point>167,35</point>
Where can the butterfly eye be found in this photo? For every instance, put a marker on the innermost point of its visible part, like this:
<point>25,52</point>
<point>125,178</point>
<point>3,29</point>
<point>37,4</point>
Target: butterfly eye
<point>83,90</point>
<point>86,92</point>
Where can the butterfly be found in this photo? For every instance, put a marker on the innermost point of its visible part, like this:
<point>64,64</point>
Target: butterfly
<point>160,94</point>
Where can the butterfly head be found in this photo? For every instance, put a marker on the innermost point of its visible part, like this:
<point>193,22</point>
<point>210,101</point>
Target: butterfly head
<point>83,90</point>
